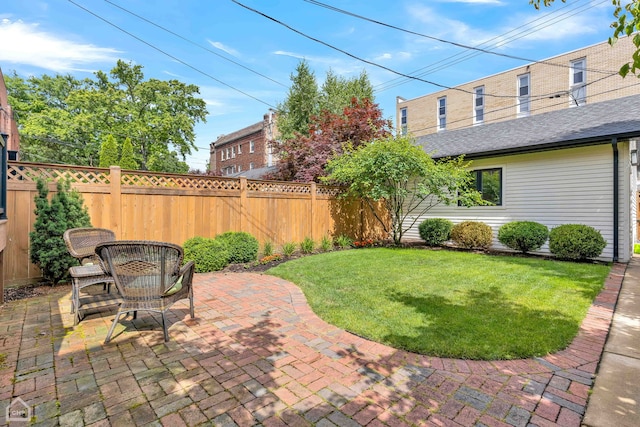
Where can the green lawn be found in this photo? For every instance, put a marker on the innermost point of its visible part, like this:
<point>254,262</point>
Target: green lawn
<point>448,303</point>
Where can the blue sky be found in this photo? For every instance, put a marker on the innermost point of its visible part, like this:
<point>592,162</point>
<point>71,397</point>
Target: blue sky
<point>242,61</point>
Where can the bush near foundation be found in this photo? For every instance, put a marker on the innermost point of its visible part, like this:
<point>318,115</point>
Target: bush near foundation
<point>523,236</point>
<point>576,242</point>
<point>435,231</point>
<point>472,234</point>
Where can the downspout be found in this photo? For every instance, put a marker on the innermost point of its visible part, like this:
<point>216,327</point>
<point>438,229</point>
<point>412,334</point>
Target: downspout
<point>616,214</point>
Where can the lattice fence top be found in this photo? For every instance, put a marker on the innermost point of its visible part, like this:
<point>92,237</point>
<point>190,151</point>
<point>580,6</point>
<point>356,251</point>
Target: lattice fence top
<point>180,181</point>
<point>278,187</point>
<point>31,173</point>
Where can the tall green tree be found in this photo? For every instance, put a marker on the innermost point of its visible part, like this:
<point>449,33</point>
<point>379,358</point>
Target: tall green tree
<point>64,120</point>
<point>127,159</point>
<point>337,92</point>
<point>301,103</point>
<point>108,152</point>
<point>626,22</point>
<point>408,182</point>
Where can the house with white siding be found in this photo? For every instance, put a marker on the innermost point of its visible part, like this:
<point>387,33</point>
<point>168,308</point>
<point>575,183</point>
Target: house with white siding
<point>571,166</point>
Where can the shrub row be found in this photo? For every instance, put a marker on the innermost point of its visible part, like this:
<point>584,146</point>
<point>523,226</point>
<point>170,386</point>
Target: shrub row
<point>215,254</point>
<point>568,241</point>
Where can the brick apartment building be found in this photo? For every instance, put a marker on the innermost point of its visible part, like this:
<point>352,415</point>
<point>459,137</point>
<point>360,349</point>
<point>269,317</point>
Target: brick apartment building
<point>586,75</point>
<point>244,150</point>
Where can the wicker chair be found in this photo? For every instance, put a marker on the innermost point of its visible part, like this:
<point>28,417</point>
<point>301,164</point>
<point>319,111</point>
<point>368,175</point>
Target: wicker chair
<point>81,242</point>
<point>148,276</point>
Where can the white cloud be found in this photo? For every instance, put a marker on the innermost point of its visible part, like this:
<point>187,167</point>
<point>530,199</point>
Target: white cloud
<point>224,48</point>
<point>27,44</point>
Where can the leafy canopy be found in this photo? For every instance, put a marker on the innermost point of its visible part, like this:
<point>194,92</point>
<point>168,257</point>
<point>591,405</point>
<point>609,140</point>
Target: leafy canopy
<point>408,182</point>
<point>65,120</point>
<point>627,22</point>
<point>305,157</point>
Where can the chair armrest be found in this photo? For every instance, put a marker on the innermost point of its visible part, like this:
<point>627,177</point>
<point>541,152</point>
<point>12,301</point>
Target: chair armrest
<point>188,266</point>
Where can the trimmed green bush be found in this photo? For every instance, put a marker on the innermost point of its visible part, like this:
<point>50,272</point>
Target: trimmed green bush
<point>523,236</point>
<point>576,242</point>
<point>435,231</point>
<point>208,254</point>
<point>472,234</point>
<point>243,247</point>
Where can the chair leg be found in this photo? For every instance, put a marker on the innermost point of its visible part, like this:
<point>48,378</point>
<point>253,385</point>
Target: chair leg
<point>164,328</point>
<point>113,327</point>
<point>191,306</point>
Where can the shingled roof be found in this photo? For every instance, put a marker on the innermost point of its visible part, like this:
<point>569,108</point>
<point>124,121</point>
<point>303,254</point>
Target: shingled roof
<point>585,125</point>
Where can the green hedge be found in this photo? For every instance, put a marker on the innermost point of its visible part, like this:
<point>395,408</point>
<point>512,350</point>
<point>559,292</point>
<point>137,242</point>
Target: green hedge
<point>435,231</point>
<point>208,254</point>
<point>523,236</point>
<point>576,242</point>
<point>243,247</point>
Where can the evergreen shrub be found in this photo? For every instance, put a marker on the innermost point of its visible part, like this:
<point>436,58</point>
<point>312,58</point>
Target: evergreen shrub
<point>65,210</point>
<point>523,236</point>
<point>208,254</point>
<point>576,242</point>
<point>243,247</point>
<point>472,234</point>
<point>435,231</point>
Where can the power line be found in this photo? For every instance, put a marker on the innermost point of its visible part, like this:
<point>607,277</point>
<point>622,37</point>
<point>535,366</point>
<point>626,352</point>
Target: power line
<point>194,43</point>
<point>510,107</point>
<point>463,56</point>
<point>168,54</point>
<point>478,49</point>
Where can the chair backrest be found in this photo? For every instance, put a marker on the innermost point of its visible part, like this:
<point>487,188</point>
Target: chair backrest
<point>141,269</point>
<point>81,242</point>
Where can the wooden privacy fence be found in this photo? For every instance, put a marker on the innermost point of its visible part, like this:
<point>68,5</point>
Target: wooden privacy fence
<point>173,208</point>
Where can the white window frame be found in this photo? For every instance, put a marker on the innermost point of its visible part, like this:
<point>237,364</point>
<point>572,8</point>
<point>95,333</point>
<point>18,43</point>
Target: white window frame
<point>478,105</point>
<point>239,148</point>
<point>252,146</point>
<point>233,152</point>
<point>222,155</point>
<point>442,113</point>
<point>403,121</point>
<point>578,90</point>
<point>251,166</point>
<point>524,99</point>
<point>228,153</point>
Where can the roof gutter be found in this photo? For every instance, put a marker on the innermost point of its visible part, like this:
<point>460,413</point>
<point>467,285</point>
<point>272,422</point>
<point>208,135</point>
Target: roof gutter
<point>616,184</point>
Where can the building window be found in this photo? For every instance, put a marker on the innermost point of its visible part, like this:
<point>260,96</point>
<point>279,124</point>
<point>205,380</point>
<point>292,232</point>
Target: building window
<point>442,113</point>
<point>578,82</point>
<point>403,121</point>
<point>222,155</point>
<point>489,183</point>
<point>239,149</point>
<point>251,166</point>
<point>233,152</point>
<point>239,168</point>
<point>252,146</point>
<point>524,96</point>
<point>228,153</point>
<point>478,104</point>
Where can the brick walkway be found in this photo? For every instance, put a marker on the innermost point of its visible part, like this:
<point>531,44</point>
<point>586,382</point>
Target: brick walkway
<point>257,355</point>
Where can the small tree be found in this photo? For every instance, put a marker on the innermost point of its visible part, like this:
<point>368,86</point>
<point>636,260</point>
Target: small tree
<point>127,160</point>
<point>66,210</point>
<point>404,178</point>
<point>108,152</point>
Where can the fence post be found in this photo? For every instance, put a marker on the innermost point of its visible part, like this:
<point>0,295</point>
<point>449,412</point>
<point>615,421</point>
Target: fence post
<point>243,204</point>
<point>312,217</point>
<point>115,174</point>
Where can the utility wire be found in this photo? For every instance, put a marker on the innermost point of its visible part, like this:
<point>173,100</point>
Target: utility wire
<point>193,43</point>
<point>168,54</point>
<point>463,56</point>
<point>478,49</point>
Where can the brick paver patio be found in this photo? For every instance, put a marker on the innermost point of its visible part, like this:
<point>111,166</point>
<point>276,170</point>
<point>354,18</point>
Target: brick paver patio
<point>257,355</point>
